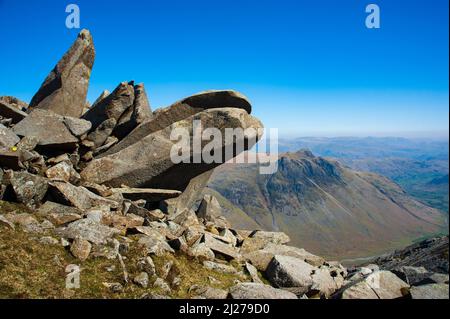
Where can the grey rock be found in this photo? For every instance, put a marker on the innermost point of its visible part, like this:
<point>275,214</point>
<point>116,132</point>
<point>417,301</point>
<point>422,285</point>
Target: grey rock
<point>208,292</point>
<point>65,88</point>
<point>49,128</point>
<point>63,172</point>
<point>77,127</point>
<point>112,106</point>
<point>81,248</point>
<point>89,230</point>
<point>253,272</point>
<point>59,214</point>
<point>430,291</point>
<point>259,291</point>
<point>29,189</point>
<point>152,165</point>
<point>7,138</point>
<point>147,194</point>
<point>102,132</point>
<point>141,279</point>
<point>9,111</point>
<point>411,275</point>
<point>28,143</point>
<point>220,247</point>
<point>222,268</point>
<point>209,208</point>
<point>286,271</point>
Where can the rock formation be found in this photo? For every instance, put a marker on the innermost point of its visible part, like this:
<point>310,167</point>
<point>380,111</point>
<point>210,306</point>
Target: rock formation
<point>101,183</point>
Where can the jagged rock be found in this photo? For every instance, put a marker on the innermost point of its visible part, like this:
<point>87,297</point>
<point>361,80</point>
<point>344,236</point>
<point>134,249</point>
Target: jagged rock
<point>122,222</point>
<point>28,143</point>
<point>63,172</point>
<point>102,96</point>
<point>65,88</point>
<point>8,111</point>
<point>209,208</point>
<point>79,197</point>
<point>100,190</point>
<point>7,138</point>
<point>112,106</point>
<point>89,230</point>
<point>253,272</point>
<point>14,102</point>
<point>378,285</point>
<point>59,214</point>
<point>155,246</point>
<point>430,291</point>
<point>102,132</point>
<point>146,264</point>
<point>201,251</point>
<point>81,248</point>
<point>28,189</point>
<point>261,258</point>
<point>259,239</point>
<point>49,128</point>
<point>220,247</point>
<point>411,275</point>
<point>223,268</point>
<point>77,127</point>
<point>286,271</point>
<point>227,236</point>
<point>186,218</point>
<point>259,291</point>
<point>208,292</point>
<point>181,110</point>
<point>141,279</point>
<point>148,194</point>
<point>141,110</point>
<point>152,165</point>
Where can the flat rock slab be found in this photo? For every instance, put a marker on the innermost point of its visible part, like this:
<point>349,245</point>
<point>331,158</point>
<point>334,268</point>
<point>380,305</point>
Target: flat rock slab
<point>59,214</point>
<point>148,194</point>
<point>10,112</point>
<point>79,197</point>
<point>259,291</point>
<point>49,128</point>
<point>286,271</point>
<point>220,247</point>
<point>89,230</point>
<point>430,291</point>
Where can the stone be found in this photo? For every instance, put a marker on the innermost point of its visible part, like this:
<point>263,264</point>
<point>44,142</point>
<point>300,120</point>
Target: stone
<point>259,291</point>
<point>29,189</point>
<point>28,143</point>
<point>76,126</point>
<point>65,88</point>
<point>222,268</point>
<point>279,238</point>
<point>48,240</point>
<point>80,248</point>
<point>89,230</point>
<point>102,132</point>
<point>141,279</point>
<point>63,172</point>
<point>79,197</point>
<point>147,194</point>
<point>115,287</point>
<point>155,246</point>
<point>377,285</point>
<point>411,275</point>
<point>430,291</point>
<point>323,283</point>
<point>122,222</point>
<point>141,110</point>
<point>253,272</point>
<point>110,141</point>
<point>112,106</point>
<point>201,251</point>
<point>162,118</point>
<point>286,271</point>
<point>162,285</point>
<point>100,190</point>
<point>49,128</point>
<point>208,292</point>
<point>6,222</point>
<point>14,102</point>
<point>209,208</point>
<point>8,111</point>
<point>220,247</point>
<point>146,264</point>
<point>59,214</point>
<point>152,165</point>
<point>261,258</point>
<point>8,138</point>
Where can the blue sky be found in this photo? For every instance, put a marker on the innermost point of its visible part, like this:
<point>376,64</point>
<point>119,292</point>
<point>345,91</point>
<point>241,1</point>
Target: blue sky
<point>309,67</point>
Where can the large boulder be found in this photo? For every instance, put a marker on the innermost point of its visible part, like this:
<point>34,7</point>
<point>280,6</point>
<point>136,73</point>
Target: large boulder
<point>378,285</point>
<point>286,271</point>
<point>49,128</point>
<point>259,291</point>
<point>152,165</point>
<point>65,88</point>
<point>430,291</point>
<point>181,110</point>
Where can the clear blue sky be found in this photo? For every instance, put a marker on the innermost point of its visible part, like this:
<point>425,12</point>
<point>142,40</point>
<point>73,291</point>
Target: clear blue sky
<point>309,67</point>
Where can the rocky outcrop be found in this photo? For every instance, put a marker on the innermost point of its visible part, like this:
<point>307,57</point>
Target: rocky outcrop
<point>65,88</point>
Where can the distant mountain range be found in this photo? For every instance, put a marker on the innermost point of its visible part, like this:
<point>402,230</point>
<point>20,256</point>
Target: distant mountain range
<point>324,206</point>
<point>419,166</point>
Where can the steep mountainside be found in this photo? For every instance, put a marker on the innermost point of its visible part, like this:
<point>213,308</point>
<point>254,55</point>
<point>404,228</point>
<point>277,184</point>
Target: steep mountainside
<point>326,207</point>
<point>412,163</point>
